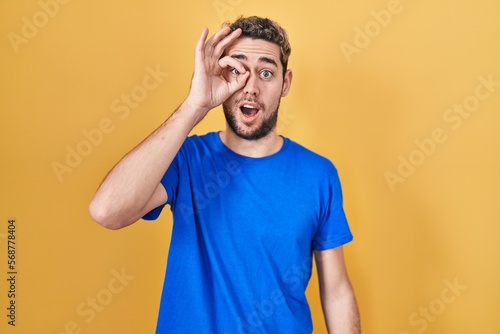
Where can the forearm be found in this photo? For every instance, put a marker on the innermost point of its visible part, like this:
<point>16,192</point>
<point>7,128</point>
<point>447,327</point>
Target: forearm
<point>133,187</point>
<point>341,312</point>
<point>129,186</point>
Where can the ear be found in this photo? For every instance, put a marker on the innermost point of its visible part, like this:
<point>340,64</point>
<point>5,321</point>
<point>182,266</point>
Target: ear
<point>287,82</point>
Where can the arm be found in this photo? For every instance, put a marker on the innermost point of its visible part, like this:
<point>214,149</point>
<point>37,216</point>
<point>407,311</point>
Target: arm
<point>132,188</point>
<point>337,296</point>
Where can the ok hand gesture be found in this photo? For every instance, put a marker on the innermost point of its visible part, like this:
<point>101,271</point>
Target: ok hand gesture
<point>209,88</point>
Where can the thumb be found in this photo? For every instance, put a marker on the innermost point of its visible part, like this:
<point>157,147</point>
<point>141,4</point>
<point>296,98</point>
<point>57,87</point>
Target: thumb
<point>239,82</point>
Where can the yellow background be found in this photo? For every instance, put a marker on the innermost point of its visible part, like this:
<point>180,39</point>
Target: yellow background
<point>364,110</point>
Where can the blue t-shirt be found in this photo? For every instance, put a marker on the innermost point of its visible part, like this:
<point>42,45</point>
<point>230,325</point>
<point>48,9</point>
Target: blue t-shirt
<point>243,234</point>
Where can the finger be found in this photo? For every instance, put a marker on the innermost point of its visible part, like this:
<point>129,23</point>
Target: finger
<point>201,40</point>
<point>199,47</point>
<point>238,83</point>
<point>234,81</point>
<point>215,39</point>
<point>221,46</point>
<point>228,62</point>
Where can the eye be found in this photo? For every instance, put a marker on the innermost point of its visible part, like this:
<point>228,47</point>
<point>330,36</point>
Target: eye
<point>266,74</point>
<point>235,71</point>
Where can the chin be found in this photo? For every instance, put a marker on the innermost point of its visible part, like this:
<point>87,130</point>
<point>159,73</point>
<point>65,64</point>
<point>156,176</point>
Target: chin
<point>252,133</point>
<point>256,131</point>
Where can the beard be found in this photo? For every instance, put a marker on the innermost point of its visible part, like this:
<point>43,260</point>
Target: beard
<point>261,130</point>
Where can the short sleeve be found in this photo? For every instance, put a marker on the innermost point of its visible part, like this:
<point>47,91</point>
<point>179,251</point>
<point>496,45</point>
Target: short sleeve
<point>169,181</point>
<point>333,228</point>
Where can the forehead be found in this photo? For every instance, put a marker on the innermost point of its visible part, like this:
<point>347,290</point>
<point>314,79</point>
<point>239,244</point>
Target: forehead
<point>254,49</point>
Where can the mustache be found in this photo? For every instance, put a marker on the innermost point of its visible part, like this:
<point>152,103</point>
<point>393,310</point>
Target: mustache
<point>251,100</point>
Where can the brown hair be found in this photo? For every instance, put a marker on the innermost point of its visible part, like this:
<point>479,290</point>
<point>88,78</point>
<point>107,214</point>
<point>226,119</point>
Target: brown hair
<point>262,28</point>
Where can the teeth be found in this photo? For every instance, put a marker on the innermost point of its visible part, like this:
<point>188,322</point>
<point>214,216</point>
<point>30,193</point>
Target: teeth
<point>248,106</point>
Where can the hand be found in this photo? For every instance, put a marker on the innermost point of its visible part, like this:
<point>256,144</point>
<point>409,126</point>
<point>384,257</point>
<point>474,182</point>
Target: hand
<point>209,88</point>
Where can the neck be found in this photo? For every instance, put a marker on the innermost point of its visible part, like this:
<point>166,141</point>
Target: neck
<point>259,148</point>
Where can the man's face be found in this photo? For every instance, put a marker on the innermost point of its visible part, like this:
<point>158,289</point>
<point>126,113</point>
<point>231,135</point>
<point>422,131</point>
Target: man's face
<point>252,112</point>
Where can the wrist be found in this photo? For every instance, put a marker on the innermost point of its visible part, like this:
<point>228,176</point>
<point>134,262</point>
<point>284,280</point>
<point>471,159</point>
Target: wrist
<point>193,111</point>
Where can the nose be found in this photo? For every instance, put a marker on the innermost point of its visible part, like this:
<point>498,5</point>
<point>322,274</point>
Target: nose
<point>251,86</point>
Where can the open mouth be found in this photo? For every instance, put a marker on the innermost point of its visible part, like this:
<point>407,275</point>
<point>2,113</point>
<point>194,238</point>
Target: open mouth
<point>249,110</point>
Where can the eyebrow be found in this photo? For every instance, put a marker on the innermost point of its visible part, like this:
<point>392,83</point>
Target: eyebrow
<point>261,59</point>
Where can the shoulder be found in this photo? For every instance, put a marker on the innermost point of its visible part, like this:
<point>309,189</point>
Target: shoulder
<point>197,140</point>
<point>197,148</point>
<point>311,160</point>
<point>200,143</point>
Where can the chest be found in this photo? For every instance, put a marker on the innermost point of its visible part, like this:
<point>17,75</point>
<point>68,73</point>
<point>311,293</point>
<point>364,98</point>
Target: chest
<point>262,203</point>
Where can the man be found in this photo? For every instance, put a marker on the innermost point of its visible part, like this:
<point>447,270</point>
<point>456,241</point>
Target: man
<point>250,207</point>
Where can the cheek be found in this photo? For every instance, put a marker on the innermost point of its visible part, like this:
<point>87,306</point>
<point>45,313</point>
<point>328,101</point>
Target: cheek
<point>273,95</point>
<point>275,88</point>
<point>230,103</point>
